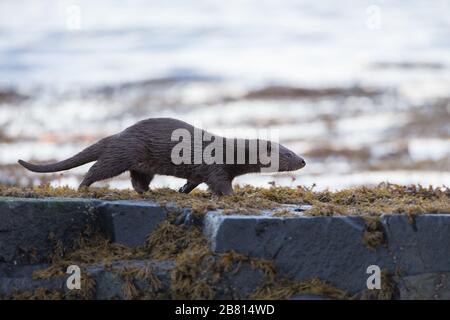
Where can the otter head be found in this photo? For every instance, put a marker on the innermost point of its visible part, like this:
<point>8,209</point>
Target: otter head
<point>282,159</point>
<point>288,160</point>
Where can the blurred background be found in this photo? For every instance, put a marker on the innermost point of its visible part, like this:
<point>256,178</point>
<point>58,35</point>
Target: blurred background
<point>360,88</point>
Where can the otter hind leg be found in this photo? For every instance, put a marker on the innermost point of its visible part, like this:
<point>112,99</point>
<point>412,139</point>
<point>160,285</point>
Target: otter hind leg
<point>188,187</point>
<point>102,170</point>
<point>140,181</point>
<point>221,187</point>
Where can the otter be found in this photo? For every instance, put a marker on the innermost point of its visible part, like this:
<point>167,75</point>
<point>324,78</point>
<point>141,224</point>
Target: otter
<point>146,148</point>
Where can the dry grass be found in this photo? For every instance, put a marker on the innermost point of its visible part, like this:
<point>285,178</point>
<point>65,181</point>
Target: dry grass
<point>384,199</point>
<point>198,270</point>
<point>285,289</point>
<point>373,235</point>
<point>196,274</point>
<point>388,289</point>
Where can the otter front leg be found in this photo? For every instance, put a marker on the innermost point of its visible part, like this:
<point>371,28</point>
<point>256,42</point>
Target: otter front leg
<point>140,181</point>
<point>188,187</point>
<point>221,187</point>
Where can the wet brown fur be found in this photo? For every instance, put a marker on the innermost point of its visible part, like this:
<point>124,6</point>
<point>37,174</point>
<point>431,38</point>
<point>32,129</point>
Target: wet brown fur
<point>144,150</point>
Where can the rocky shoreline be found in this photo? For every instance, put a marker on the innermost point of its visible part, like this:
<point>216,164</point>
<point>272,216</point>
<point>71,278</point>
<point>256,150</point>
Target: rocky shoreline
<point>137,249</point>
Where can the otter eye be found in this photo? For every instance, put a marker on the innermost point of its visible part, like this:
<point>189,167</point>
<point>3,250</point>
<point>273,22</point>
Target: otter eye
<point>289,155</point>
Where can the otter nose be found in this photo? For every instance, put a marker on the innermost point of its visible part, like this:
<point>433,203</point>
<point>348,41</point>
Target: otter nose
<point>302,162</point>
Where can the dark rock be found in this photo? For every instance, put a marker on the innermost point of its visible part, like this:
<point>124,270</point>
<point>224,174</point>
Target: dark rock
<point>18,271</point>
<point>130,222</point>
<point>20,278</point>
<point>108,280</point>
<point>240,284</point>
<point>9,286</point>
<point>110,283</point>
<point>329,248</point>
<point>29,228</point>
<point>419,246</point>
<point>427,286</point>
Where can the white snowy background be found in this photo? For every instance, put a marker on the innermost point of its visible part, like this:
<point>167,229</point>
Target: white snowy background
<point>376,73</point>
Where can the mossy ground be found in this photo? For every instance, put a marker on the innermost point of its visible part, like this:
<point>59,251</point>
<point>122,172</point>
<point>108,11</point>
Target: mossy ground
<point>374,235</point>
<point>285,289</point>
<point>384,199</point>
<point>197,273</point>
<point>197,269</point>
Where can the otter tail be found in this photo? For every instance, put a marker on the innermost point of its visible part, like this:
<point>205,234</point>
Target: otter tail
<point>89,154</point>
